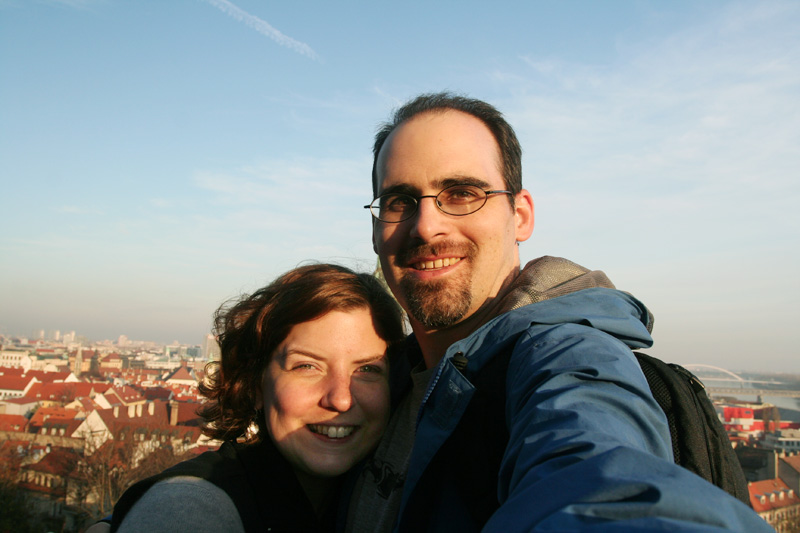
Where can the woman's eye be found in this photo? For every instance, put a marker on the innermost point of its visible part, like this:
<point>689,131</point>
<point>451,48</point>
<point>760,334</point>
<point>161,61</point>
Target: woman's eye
<point>370,369</point>
<point>303,366</point>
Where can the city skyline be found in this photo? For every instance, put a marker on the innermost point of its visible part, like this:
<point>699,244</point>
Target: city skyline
<point>160,159</point>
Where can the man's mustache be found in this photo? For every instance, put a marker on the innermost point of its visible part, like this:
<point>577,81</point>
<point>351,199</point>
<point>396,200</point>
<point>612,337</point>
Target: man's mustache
<point>465,250</point>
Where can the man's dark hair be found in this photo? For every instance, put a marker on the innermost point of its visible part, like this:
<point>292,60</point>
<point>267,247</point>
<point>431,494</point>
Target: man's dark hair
<point>251,328</point>
<point>510,151</point>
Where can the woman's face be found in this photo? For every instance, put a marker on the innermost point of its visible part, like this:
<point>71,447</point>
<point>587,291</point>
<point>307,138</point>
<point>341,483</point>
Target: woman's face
<point>326,392</point>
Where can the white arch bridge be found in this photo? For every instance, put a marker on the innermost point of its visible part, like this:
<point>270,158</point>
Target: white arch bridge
<point>741,389</point>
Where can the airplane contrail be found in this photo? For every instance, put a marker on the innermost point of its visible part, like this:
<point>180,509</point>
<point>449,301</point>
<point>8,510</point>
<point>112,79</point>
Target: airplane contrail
<point>264,28</point>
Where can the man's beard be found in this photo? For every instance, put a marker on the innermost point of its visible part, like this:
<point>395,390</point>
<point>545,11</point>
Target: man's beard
<point>433,305</point>
<point>441,303</point>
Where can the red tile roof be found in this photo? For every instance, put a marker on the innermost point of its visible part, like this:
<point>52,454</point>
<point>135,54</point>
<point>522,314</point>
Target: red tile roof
<point>66,391</point>
<point>19,401</point>
<point>771,494</point>
<point>125,394</point>
<point>13,423</point>
<point>14,383</point>
<point>48,377</point>
<point>181,373</point>
<point>159,417</point>
<point>60,461</point>
<point>44,414</point>
<point>161,393</point>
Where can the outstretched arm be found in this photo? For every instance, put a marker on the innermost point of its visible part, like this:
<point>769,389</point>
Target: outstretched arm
<point>589,447</point>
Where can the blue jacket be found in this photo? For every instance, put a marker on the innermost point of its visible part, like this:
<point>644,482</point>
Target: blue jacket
<point>588,448</point>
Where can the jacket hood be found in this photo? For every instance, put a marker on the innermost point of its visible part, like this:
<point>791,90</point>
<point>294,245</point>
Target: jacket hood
<point>550,277</point>
<point>614,312</point>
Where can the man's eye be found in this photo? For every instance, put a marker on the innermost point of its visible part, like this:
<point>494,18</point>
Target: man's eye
<point>461,195</point>
<point>399,202</point>
<point>370,369</point>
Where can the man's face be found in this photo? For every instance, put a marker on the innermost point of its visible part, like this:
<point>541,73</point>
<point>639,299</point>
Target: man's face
<point>444,268</point>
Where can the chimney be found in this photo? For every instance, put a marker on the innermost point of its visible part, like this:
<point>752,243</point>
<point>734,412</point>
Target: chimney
<point>173,413</point>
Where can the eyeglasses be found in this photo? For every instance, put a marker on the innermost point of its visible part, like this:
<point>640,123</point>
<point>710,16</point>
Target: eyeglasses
<point>456,200</point>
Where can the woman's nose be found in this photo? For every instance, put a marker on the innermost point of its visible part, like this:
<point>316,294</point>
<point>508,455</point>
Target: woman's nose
<point>337,395</point>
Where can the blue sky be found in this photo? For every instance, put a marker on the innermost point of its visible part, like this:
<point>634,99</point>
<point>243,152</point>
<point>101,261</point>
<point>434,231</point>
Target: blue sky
<point>158,158</point>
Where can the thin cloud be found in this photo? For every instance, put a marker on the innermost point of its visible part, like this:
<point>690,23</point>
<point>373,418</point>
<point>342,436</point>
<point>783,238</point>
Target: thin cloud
<point>264,28</point>
<point>76,210</point>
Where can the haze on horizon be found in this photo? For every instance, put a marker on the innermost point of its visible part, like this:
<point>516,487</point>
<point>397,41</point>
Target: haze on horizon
<point>158,159</point>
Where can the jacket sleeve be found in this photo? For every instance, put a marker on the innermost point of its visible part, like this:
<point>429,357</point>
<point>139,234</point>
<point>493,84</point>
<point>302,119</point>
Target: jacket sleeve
<point>183,503</point>
<point>589,447</point>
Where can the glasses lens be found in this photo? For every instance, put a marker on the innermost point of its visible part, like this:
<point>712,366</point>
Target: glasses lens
<point>461,199</point>
<point>394,207</point>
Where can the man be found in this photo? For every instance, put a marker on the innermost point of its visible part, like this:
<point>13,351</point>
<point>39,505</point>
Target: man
<point>519,417</point>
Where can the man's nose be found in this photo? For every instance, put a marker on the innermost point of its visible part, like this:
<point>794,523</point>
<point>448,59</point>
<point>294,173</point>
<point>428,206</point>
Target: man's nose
<point>337,395</point>
<point>429,221</point>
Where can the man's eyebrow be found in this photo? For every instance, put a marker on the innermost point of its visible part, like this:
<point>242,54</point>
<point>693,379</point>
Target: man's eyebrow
<point>405,188</point>
<point>400,188</point>
<point>461,180</point>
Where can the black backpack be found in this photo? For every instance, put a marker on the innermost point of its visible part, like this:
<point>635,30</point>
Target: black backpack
<point>699,440</point>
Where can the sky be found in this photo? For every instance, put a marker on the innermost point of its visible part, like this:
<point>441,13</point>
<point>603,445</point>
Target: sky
<point>160,158</point>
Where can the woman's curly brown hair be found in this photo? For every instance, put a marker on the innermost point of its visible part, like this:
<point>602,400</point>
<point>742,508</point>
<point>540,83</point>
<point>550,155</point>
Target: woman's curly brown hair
<point>250,329</point>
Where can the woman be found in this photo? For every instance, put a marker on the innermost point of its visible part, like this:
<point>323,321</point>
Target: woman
<point>299,396</point>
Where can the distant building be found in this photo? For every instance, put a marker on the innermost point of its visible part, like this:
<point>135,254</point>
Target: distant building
<point>59,394</point>
<point>776,503</point>
<point>787,440</point>
<point>15,386</point>
<point>124,396</point>
<point>789,470</point>
<point>13,422</point>
<point>18,406</point>
<point>210,348</point>
<point>111,362</point>
<point>47,482</point>
<point>757,463</point>
<point>15,359</point>
<point>183,375</point>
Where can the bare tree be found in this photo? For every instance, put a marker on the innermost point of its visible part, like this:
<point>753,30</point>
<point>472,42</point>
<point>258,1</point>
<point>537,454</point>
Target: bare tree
<point>106,471</point>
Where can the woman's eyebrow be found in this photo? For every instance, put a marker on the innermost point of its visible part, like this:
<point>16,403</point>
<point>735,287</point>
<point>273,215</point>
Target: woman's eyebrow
<point>303,353</point>
<point>371,359</point>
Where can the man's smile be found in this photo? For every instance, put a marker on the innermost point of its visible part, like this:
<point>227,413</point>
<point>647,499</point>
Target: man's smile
<point>436,263</point>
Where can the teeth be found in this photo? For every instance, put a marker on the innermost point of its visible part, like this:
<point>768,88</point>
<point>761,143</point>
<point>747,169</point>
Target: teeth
<point>332,432</point>
<point>439,263</point>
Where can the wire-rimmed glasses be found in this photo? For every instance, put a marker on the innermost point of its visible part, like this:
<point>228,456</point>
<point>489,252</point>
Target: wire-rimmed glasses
<point>456,200</point>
